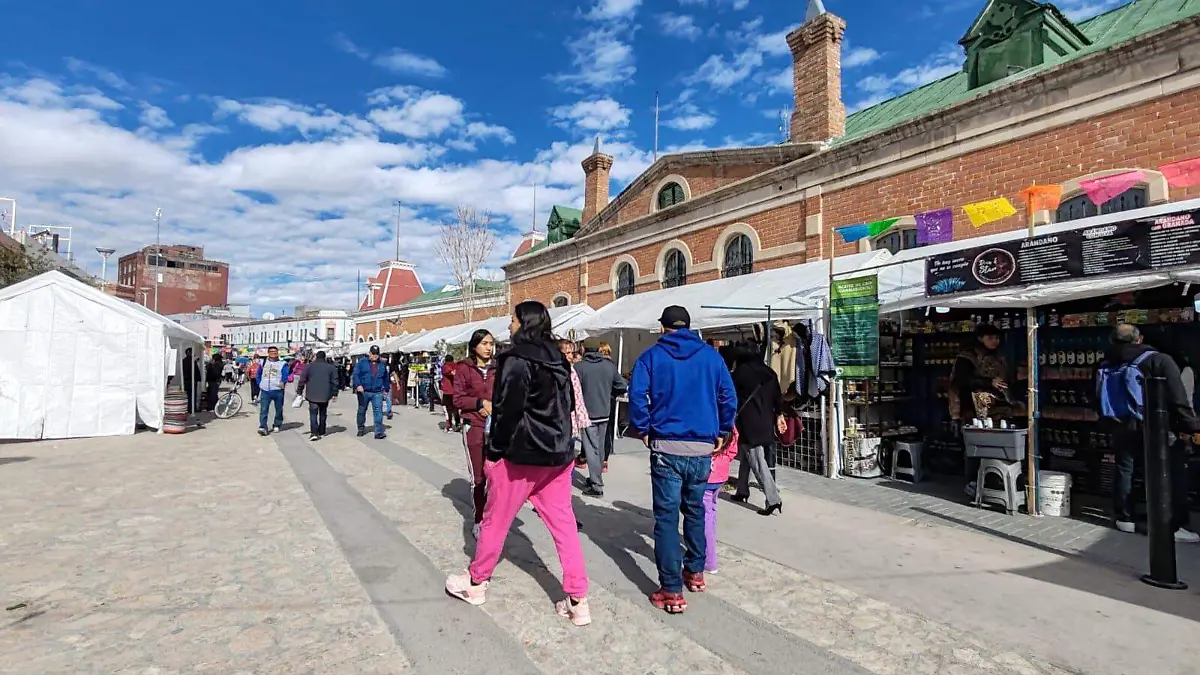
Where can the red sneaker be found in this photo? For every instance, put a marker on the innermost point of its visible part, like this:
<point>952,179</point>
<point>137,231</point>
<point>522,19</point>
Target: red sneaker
<point>605,469</point>
<point>671,603</point>
<point>694,582</point>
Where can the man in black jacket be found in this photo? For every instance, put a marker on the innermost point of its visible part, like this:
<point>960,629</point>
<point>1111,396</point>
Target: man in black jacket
<point>760,416</point>
<point>600,382</point>
<point>1129,443</point>
<point>319,385</point>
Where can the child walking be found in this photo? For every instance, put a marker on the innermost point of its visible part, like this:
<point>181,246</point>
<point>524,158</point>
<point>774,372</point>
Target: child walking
<point>716,480</point>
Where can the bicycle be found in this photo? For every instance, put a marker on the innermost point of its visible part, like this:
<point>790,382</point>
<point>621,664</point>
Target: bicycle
<point>230,402</point>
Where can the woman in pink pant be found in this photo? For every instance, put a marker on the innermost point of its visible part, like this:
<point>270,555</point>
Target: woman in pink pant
<point>530,458</point>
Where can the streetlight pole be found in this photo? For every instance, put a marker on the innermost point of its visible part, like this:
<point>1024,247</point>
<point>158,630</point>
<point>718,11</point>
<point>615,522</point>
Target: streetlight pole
<point>398,230</point>
<point>104,255</point>
<point>12,216</point>
<point>157,253</point>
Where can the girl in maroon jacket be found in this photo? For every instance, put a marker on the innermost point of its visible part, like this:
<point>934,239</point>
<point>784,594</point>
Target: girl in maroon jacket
<point>453,418</point>
<point>472,383</point>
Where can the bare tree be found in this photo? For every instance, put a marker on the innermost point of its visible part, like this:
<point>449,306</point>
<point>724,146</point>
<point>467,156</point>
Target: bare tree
<point>464,246</point>
<point>18,263</point>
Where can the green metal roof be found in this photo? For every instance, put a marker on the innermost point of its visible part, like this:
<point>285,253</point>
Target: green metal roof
<point>481,286</point>
<point>562,224</point>
<point>1103,31</point>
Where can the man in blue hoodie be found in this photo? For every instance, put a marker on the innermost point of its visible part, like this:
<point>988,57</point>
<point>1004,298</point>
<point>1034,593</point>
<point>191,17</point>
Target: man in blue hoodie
<point>682,403</point>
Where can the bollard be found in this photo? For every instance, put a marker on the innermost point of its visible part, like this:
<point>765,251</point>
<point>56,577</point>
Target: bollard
<point>1163,572</point>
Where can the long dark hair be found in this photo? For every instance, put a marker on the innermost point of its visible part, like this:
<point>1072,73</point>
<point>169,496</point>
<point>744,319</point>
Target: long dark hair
<point>535,323</point>
<point>476,338</point>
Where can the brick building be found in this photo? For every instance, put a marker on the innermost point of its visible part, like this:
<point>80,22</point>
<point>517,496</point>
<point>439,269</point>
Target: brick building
<point>189,281</point>
<point>432,309</point>
<point>1040,99</point>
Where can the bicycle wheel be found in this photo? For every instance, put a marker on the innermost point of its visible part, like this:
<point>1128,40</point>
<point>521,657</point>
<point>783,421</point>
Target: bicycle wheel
<point>229,405</point>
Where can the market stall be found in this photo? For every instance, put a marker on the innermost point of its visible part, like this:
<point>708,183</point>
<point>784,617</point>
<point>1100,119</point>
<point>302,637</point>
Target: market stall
<point>77,362</point>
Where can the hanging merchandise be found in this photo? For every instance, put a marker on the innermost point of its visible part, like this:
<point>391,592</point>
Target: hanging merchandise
<point>1102,190</point>
<point>1042,197</point>
<point>935,227</point>
<point>1184,173</point>
<point>880,226</point>
<point>854,323</point>
<point>814,362</point>
<point>982,213</point>
<point>852,233</point>
<point>783,357</point>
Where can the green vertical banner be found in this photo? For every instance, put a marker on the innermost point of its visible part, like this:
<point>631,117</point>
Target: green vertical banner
<point>854,319</point>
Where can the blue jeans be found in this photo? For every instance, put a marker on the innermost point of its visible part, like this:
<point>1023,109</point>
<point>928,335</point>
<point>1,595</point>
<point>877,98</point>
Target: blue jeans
<point>265,399</point>
<point>678,484</point>
<point>375,400</point>
<point>387,403</point>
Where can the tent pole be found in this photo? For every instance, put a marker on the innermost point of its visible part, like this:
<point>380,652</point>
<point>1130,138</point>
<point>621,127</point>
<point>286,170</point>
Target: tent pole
<point>1031,408</point>
<point>616,412</point>
<point>831,414</point>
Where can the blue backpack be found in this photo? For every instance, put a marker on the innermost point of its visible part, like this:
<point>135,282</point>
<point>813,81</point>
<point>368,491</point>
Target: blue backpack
<point>1119,388</point>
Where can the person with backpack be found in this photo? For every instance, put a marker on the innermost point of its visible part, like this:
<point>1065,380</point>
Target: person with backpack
<point>530,458</point>
<point>1120,393</point>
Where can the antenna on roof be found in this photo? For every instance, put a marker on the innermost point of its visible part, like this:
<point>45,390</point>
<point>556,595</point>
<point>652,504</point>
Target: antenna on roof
<point>656,125</point>
<point>785,127</point>
<point>535,207</point>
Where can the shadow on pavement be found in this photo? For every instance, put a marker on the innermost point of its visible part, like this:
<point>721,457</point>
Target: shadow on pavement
<point>1080,572</point>
<point>621,535</point>
<point>13,460</point>
<point>518,549</point>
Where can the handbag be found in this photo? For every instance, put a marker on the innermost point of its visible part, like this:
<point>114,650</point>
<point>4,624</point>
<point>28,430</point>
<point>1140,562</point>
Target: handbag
<point>298,401</point>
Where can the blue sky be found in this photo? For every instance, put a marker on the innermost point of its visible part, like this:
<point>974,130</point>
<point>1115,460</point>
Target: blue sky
<point>279,134</point>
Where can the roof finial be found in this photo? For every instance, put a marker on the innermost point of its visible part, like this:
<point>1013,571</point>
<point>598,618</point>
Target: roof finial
<point>815,8</point>
<point>596,148</point>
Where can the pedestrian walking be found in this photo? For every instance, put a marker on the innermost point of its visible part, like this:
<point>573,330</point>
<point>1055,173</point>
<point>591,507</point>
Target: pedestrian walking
<point>370,381</point>
<point>712,492</point>
<point>682,403</point>
<point>759,419</point>
<point>386,397</point>
<point>272,382</point>
<point>318,384</point>
<point>212,379</point>
<point>600,383</point>
<point>453,418</point>
<point>473,396</point>
<point>531,455</point>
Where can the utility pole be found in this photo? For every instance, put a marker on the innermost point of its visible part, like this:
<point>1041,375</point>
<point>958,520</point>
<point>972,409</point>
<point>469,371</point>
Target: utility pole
<point>397,230</point>
<point>656,126</point>
<point>535,207</point>
<point>158,261</point>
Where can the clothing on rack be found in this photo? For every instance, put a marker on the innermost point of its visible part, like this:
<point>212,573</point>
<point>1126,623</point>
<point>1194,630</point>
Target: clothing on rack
<point>783,354</point>
<point>814,363</point>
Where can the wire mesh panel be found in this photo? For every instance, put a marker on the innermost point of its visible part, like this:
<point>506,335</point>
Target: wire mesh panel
<point>808,452</point>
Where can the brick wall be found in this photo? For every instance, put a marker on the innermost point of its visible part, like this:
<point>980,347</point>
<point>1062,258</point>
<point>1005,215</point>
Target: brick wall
<point>183,291</point>
<point>700,180</point>
<point>413,324</point>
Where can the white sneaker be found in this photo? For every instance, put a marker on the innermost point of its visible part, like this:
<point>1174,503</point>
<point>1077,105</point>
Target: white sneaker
<point>1186,536</point>
<point>314,437</point>
<point>460,586</point>
<point>1126,526</point>
<point>578,613</point>
<point>475,530</point>
<point>276,429</point>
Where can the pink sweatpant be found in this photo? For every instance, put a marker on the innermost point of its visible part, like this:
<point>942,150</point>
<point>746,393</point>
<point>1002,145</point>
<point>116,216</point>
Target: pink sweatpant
<point>549,489</point>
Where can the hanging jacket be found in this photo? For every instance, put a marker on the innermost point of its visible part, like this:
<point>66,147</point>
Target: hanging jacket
<point>472,386</point>
<point>531,406</point>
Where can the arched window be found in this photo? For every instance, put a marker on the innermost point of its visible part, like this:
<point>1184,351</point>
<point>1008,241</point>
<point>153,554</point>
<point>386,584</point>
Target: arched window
<point>625,280</point>
<point>674,269</point>
<point>1082,206</point>
<point>560,301</point>
<point>670,195</point>
<point>739,256</point>
<point>897,240</point>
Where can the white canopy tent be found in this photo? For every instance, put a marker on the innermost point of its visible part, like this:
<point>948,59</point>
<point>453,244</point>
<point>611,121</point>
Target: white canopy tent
<point>77,362</point>
<point>902,278</point>
<point>794,292</point>
<point>564,319</point>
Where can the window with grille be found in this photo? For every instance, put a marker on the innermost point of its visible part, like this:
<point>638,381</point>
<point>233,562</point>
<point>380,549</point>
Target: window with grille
<point>670,195</point>
<point>625,280</point>
<point>897,240</point>
<point>674,269</point>
<point>739,256</point>
<point>560,301</point>
<point>1083,207</point>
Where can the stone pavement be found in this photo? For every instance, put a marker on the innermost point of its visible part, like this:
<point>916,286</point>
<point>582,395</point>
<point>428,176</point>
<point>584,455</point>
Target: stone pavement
<point>220,551</point>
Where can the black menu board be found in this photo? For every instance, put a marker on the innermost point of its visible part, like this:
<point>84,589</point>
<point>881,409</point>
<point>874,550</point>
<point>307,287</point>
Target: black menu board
<point>1159,242</point>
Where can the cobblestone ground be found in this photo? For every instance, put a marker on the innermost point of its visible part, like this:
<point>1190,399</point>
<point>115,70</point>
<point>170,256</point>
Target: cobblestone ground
<point>220,551</point>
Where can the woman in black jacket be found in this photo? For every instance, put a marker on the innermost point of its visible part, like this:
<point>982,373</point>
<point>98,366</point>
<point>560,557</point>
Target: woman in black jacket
<point>529,459</point>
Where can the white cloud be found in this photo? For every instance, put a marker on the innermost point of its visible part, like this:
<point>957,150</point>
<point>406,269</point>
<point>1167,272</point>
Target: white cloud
<point>751,49</point>
<point>879,87</point>
<point>345,44</point>
<point>601,114</point>
<point>104,75</point>
<point>855,57</point>
<point>430,114</point>
<point>1078,10</point>
<point>735,4</point>
<point>682,26</point>
<point>607,10</point>
<point>602,59</point>
<point>482,130</point>
<point>685,115</point>
<point>277,115</point>
<point>155,117</point>
<point>408,63</point>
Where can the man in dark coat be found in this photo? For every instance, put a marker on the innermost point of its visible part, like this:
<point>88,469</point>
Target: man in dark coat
<point>319,385</point>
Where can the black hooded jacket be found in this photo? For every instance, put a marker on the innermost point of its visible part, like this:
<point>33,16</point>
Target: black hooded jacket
<point>531,406</point>
<point>1179,409</point>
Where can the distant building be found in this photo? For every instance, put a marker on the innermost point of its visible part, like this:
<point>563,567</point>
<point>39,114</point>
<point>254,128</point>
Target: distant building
<point>211,322</point>
<point>188,282</point>
<point>434,309</point>
<point>395,284</point>
<point>317,328</point>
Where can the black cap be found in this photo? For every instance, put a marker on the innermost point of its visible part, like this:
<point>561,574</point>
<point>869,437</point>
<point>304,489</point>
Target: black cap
<point>675,317</point>
<point>374,349</point>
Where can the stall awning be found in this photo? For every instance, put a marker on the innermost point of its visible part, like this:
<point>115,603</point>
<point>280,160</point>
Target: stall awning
<point>902,278</point>
<point>794,292</point>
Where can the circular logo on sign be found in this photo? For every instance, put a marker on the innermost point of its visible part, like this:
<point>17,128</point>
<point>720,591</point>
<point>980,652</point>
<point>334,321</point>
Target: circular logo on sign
<point>994,267</point>
<point>189,296</point>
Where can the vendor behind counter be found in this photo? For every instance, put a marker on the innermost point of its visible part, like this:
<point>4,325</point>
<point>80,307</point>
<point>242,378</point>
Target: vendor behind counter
<point>980,381</point>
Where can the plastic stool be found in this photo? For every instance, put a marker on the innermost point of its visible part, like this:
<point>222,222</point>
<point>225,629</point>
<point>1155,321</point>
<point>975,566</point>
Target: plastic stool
<point>913,452</point>
<point>1008,473</point>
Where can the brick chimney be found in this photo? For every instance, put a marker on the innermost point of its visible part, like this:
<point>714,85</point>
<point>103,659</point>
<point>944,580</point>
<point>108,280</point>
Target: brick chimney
<point>818,114</point>
<point>595,182</point>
